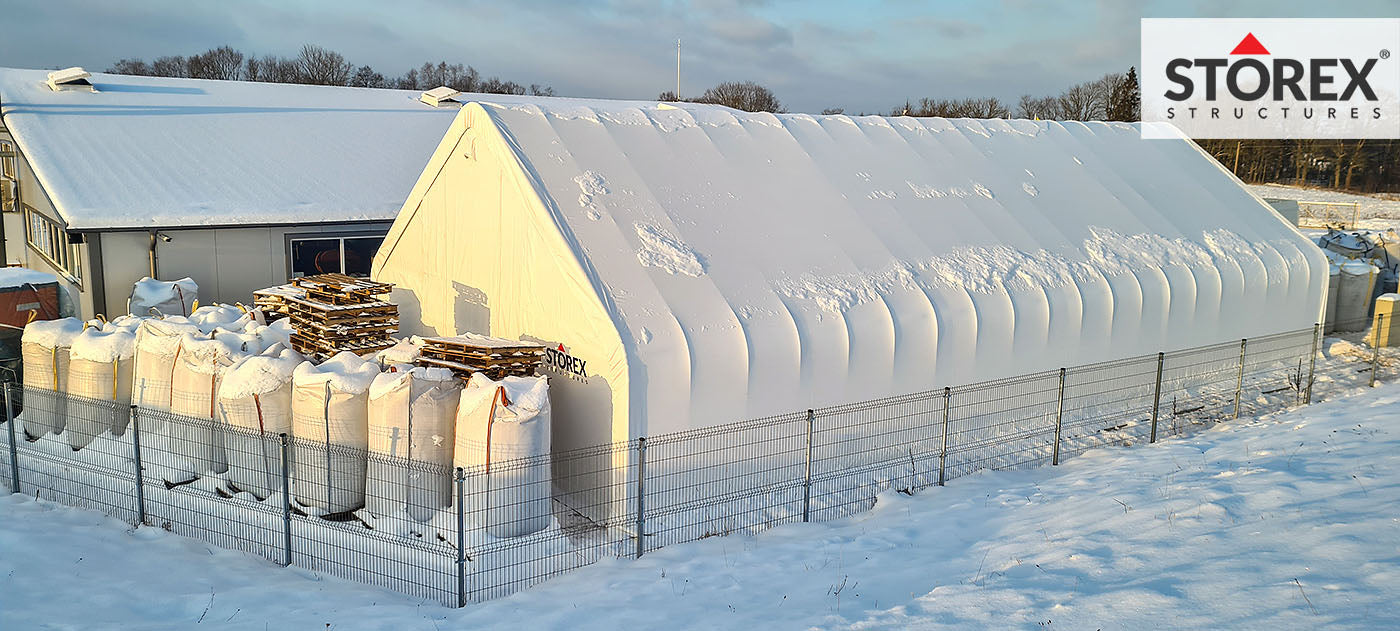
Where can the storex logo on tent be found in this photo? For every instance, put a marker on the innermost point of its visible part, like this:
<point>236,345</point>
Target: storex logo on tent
<point>1272,78</point>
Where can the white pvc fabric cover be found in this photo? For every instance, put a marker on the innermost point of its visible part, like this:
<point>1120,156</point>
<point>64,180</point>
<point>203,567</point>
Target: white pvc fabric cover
<point>255,404</point>
<point>330,419</point>
<point>503,441</point>
<point>44,350</point>
<point>100,370</point>
<point>412,414</point>
<point>710,265</point>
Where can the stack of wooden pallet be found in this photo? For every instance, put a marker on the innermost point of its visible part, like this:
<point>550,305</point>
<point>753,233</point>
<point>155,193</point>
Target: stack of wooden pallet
<point>340,313</point>
<point>469,354</point>
<point>273,300</point>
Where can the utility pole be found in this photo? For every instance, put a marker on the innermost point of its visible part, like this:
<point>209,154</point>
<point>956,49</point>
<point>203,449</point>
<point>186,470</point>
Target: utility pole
<point>678,68</point>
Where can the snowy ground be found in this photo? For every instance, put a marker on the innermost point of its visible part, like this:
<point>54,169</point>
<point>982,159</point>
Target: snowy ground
<point>1288,521</point>
<point>1377,211</point>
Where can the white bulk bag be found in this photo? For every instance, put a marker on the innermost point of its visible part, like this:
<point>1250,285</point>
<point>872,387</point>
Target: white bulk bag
<point>255,405</point>
<point>405,351</point>
<point>1357,283</point>
<point>330,419</point>
<point>512,498</point>
<point>100,369</point>
<point>194,396</point>
<point>157,346</point>
<point>278,331</point>
<point>163,297</point>
<point>220,316</point>
<point>412,415</point>
<point>45,351</point>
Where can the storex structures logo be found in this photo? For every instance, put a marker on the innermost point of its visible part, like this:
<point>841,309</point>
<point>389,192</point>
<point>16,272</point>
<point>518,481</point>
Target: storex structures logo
<point>1271,78</point>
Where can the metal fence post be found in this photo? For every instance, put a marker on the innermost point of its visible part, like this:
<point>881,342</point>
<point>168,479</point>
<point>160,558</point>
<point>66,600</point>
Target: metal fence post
<point>461,539</point>
<point>1312,362</point>
<point>641,492</point>
<point>14,447</point>
<point>140,475</point>
<point>1376,346</point>
<point>1239,378</point>
<point>1157,396</point>
<point>286,496</point>
<point>807,474</point>
<point>943,453</point>
<point>1059,418</point>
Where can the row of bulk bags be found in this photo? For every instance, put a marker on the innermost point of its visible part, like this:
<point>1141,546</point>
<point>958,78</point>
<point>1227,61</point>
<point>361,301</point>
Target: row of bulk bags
<point>100,369</point>
<point>330,419</point>
<point>499,421</point>
<point>45,349</point>
<point>412,414</point>
<point>255,403</point>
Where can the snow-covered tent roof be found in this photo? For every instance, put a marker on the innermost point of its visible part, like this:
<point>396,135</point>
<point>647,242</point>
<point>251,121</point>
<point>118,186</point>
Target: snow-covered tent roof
<point>714,265</point>
<point>152,152</point>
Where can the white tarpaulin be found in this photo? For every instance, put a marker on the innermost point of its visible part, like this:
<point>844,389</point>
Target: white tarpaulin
<point>100,369</point>
<point>412,414</point>
<point>701,265</point>
<point>151,297</point>
<point>330,418</point>
<point>44,348</point>
<point>507,423</point>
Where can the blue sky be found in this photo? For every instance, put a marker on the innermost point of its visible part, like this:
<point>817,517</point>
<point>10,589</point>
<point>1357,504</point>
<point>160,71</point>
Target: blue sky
<point>862,56</point>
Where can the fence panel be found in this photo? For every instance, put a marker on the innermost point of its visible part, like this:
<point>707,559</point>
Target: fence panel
<point>1005,424</point>
<point>863,449</point>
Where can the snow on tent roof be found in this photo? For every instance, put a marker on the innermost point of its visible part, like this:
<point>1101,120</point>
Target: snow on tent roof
<point>152,152</point>
<point>714,265</point>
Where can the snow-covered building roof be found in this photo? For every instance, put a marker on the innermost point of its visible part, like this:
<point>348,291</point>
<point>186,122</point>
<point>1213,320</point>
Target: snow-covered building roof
<point>714,265</point>
<point>152,152</point>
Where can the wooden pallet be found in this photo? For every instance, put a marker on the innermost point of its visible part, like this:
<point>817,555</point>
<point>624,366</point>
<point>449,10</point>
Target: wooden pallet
<point>339,289</point>
<point>335,313</point>
<point>470,354</point>
<point>464,371</point>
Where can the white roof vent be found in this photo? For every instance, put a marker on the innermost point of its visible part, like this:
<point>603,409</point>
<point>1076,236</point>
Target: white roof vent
<point>436,96</point>
<point>74,78</point>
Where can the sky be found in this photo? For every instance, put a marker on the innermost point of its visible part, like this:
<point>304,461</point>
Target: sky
<point>861,56</point>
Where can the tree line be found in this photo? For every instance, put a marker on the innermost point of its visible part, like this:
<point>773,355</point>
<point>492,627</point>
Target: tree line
<point>315,65</point>
<point>1357,165</point>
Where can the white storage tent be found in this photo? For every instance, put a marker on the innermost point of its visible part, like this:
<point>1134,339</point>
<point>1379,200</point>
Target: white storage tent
<point>711,265</point>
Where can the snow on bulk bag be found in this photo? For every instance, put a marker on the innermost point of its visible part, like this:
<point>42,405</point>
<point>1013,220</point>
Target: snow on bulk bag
<point>194,394</point>
<point>411,418</point>
<point>255,403</point>
<point>157,346</point>
<point>330,419</point>
<point>99,368</point>
<point>498,421</point>
<point>45,351</point>
<point>163,297</point>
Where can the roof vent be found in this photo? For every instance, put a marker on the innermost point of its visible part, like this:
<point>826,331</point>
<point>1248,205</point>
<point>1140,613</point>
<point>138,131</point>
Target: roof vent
<point>437,96</point>
<point>74,78</point>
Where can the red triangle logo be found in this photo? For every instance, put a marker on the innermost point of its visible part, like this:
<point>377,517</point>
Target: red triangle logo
<point>561,348</point>
<point>1249,46</point>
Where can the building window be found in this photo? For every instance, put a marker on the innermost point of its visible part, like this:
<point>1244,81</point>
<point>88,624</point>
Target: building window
<point>51,241</point>
<point>9,180</point>
<point>350,254</point>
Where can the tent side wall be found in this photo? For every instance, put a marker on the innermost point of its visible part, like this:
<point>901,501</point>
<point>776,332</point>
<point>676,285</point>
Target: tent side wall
<point>475,249</point>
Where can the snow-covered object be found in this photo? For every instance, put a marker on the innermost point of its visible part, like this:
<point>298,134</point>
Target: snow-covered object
<point>330,419</point>
<point>255,403</point>
<point>279,331</point>
<point>157,347</point>
<point>412,414</point>
<point>405,351</point>
<point>701,265</point>
<point>45,347</point>
<point>194,391</point>
<point>219,316</point>
<point>151,297</point>
<point>1334,282</point>
<point>128,323</point>
<point>1358,280</point>
<point>499,422</point>
<point>100,368</point>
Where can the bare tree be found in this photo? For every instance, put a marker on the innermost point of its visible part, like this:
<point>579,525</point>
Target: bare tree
<point>130,66</point>
<point>742,95</point>
<point>973,107</point>
<point>273,69</point>
<point>321,66</point>
<point>495,85</point>
<point>831,111</point>
<point>366,77</point>
<point>1043,107</point>
<point>171,66</point>
<point>668,96</point>
<point>541,90</point>
<point>216,63</point>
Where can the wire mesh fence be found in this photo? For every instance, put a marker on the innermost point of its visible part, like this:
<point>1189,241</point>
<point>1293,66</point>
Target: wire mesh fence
<point>458,534</point>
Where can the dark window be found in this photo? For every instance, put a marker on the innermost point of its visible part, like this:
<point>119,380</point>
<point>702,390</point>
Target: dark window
<point>344,255</point>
